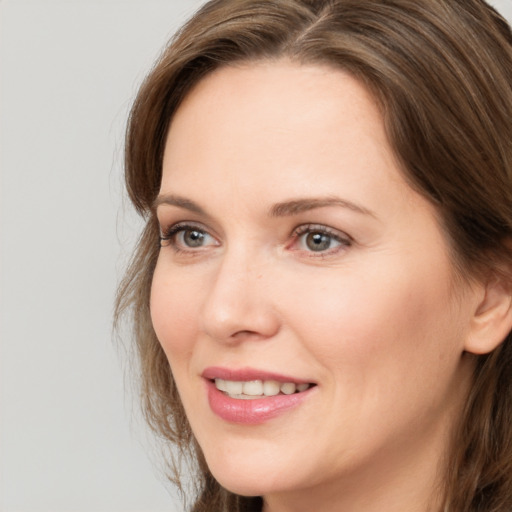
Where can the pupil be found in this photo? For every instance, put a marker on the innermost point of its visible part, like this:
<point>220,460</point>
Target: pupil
<point>318,241</point>
<point>194,238</point>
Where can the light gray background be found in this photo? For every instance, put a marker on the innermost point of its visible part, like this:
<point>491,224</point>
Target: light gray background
<point>69,69</point>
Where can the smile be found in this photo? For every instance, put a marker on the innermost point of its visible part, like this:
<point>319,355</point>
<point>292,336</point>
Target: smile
<point>253,389</point>
<point>251,397</point>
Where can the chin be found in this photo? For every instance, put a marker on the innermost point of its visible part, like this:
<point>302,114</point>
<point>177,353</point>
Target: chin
<point>248,480</point>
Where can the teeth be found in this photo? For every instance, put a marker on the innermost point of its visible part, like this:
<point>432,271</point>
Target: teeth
<point>233,387</point>
<point>288,388</point>
<point>257,388</point>
<point>253,388</point>
<point>221,384</point>
<point>271,388</point>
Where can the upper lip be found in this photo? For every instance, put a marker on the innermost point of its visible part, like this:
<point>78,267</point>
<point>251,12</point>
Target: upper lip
<point>247,374</point>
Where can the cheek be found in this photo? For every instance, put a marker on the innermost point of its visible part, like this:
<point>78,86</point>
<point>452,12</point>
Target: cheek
<point>174,312</point>
<point>380,324</point>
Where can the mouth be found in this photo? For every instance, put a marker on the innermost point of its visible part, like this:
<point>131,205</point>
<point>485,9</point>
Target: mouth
<point>254,389</point>
<point>251,397</point>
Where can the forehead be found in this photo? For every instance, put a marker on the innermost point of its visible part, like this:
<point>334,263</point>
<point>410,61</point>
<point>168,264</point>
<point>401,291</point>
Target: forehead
<point>274,117</point>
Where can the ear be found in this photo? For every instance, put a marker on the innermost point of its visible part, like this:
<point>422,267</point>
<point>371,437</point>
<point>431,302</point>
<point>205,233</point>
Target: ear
<point>492,319</point>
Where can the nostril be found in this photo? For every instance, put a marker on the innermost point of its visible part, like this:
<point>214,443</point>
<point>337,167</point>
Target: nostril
<point>245,334</point>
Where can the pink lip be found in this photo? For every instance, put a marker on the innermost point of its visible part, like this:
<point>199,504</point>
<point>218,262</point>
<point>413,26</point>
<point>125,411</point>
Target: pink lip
<point>217,372</point>
<point>250,412</point>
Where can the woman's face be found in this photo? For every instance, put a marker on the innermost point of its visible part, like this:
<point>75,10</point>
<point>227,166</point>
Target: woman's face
<point>296,255</point>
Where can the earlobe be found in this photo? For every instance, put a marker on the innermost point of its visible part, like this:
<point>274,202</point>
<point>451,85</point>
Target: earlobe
<point>492,319</point>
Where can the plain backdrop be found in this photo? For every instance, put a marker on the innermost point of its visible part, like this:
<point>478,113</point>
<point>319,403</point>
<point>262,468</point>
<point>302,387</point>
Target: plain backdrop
<point>69,440</point>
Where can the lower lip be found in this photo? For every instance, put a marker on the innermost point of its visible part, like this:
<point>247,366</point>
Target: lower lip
<point>254,411</point>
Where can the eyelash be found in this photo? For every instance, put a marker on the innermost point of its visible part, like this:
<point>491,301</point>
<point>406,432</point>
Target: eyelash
<point>169,235</point>
<point>344,240</point>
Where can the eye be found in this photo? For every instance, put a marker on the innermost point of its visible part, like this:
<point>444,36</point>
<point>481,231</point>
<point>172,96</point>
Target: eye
<point>191,237</point>
<point>183,237</point>
<point>319,239</point>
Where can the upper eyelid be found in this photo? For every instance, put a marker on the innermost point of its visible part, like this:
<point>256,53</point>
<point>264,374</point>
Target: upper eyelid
<point>167,214</point>
<point>167,227</point>
<point>321,228</point>
<point>166,222</point>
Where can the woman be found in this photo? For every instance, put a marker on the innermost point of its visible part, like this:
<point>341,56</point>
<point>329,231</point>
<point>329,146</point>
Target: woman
<point>321,297</point>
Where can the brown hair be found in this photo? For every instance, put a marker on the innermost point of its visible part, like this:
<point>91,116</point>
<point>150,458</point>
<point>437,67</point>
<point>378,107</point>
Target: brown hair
<point>442,73</point>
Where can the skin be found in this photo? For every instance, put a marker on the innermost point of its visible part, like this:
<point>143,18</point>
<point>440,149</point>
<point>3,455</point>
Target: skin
<point>376,320</point>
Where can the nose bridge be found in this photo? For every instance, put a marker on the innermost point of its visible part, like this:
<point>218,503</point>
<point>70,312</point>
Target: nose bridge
<point>238,302</point>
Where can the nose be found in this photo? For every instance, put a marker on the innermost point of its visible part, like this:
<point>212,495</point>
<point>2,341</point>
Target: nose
<point>238,304</point>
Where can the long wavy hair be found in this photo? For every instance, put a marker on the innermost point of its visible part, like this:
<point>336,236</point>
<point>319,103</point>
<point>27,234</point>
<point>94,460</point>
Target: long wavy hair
<point>441,71</point>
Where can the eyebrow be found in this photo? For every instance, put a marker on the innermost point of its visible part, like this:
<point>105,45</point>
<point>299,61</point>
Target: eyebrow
<point>283,209</point>
<point>179,201</point>
<point>296,206</point>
